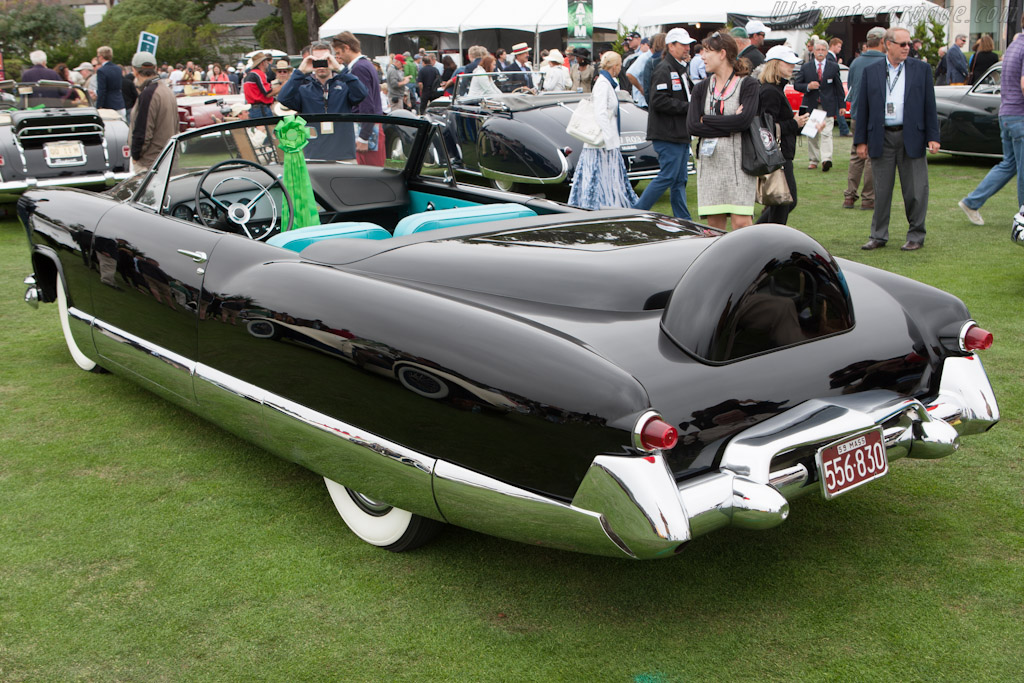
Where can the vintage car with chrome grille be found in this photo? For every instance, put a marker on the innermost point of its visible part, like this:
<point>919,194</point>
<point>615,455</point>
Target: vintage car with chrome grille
<point>51,135</point>
<point>517,139</point>
<point>612,382</point>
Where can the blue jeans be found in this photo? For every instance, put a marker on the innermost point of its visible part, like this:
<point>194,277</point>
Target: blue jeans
<point>672,158</point>
<point>844,128</point>
<point>260,111</point>
<point>1011,130</point>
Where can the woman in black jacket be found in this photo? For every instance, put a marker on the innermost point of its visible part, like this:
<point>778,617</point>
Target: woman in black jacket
<point>777,70</point>
<point>982,59</point>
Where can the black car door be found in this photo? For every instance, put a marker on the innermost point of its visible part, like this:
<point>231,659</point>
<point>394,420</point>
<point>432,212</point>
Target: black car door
<point>148,294</point>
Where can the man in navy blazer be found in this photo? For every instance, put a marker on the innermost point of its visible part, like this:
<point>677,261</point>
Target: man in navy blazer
<point>819,80</point>
<point>108,82</point>
<point>896,123</point>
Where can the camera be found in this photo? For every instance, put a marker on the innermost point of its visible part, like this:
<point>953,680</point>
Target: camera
<point>319,63</point>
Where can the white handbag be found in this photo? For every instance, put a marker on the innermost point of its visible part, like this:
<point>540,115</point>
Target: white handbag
<point>584,126</point>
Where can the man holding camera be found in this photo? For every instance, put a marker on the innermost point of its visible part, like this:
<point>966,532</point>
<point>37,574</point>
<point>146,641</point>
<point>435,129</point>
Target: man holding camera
<point>323,86</point>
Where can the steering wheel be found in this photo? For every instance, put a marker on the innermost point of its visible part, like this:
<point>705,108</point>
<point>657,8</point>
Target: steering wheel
<point>239,213</point>
<point>523,90</point>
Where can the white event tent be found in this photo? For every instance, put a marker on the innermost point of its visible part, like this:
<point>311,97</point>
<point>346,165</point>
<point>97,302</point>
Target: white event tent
<point>488,21</point>
<point>387,18</point>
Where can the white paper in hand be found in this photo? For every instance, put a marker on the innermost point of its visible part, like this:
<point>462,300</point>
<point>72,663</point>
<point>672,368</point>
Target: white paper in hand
<point>811,127</point>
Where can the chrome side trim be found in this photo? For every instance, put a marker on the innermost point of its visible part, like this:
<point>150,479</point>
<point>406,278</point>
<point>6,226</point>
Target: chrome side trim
<point>367,463</point>
<point>478,502</point>
<point>162,371</point>
<point>534,180</point>
<point>107,177</point>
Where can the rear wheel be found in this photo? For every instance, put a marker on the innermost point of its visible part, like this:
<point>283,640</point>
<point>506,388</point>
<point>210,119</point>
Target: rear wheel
<point>81,360</point>
<point>380,524</point>
<point>506,185</point>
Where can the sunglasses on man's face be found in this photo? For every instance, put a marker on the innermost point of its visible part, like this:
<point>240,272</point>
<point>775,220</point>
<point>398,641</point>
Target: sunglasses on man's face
<point>905,43</point>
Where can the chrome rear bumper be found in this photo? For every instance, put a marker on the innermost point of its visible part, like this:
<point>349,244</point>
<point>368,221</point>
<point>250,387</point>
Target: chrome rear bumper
<point>13,188</point>
<point>631,506</point>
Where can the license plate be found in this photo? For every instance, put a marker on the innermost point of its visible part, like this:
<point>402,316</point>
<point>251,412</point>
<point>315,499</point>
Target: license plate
<point>853,461</point>
<point>65,153</point>
<point>632,140</point>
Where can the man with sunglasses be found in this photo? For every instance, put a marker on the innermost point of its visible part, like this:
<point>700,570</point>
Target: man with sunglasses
<point>896,123</point>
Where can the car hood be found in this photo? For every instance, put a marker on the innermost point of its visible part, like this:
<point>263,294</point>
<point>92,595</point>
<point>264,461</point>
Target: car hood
<point>628,263</point>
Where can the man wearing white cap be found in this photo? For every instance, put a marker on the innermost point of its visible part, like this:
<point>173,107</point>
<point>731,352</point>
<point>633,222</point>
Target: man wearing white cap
<point>154,117</point>
<point>668,104</point>
<point>756,31</point>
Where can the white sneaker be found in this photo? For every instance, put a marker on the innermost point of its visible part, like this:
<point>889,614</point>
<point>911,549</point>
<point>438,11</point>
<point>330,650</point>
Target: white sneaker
<point>972,214</point>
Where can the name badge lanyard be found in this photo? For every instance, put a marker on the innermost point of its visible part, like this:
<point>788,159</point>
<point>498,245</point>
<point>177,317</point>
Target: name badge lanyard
<point>890,106</point>
<point>718,97</point>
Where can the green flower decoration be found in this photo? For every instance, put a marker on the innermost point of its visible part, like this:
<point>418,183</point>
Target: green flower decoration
<point>292,136</point>
<point>292,133</point>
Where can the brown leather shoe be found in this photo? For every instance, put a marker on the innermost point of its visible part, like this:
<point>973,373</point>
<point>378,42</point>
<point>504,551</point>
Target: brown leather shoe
<point>872,244</point>
<point>911,246</point>
<point>867,206</point>
<point>849,203</point>
<point>811,166</point>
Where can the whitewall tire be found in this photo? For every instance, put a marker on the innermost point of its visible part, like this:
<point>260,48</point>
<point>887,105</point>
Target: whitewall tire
<point>378,523</point>
<point>81,360</point>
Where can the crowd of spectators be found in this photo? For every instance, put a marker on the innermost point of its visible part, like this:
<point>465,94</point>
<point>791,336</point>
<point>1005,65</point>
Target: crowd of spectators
<point>728,77</point>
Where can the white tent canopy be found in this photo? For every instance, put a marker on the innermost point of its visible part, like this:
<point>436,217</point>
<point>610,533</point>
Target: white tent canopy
<point>387,17</point>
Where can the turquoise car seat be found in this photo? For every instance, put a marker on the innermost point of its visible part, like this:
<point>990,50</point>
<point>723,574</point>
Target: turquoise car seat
<point>465,215</point>
<point>299,239</point>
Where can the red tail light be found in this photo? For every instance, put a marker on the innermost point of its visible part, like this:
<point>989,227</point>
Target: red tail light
<point>976,339</point>
<point>653,433</point>
<point>126,151</point>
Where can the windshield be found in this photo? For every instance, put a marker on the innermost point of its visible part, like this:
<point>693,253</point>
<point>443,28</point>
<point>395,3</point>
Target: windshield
<point>332,150</point>
<point>41,95</point>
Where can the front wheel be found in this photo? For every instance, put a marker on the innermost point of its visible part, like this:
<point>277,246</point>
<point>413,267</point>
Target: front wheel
<point>81,360</point>
<point>380,524</point>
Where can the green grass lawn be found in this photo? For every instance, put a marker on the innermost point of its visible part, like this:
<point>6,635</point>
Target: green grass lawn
<point>138,542</point>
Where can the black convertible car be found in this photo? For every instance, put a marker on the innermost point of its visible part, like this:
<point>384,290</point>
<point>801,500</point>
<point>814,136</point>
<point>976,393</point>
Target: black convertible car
<point>51,135</point>
<point>517,139</point>
<point>611,382</point>
<point>969,116</point>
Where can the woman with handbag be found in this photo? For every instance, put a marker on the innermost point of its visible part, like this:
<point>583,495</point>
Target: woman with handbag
<point>723,105</point>
<point>778,69</point>
<point>600,180</point>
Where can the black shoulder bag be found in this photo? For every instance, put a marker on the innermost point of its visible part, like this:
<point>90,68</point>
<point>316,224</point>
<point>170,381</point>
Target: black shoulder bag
<point>761,151</point>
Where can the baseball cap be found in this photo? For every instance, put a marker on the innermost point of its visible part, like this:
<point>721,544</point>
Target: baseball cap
<point>678,35</point>
<point>782,53</point>
<point>755,26</point>
<point>738,32</point>
<point>877,32</point>
<point>400,59</point>
<point>634,34</point>
<point>85,65</point>
<point>141,59</point>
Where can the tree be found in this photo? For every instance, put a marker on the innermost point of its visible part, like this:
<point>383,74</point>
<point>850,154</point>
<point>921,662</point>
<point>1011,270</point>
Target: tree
<point>271,31</point>
<point>27,25</point>
<point>182,26</point>
<point>291,46</point>
<point>932,36</point>
<point>312,19</point>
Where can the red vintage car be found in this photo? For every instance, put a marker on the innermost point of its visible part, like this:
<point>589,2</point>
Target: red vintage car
<point>795,98</point>
<point>206,103</point>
